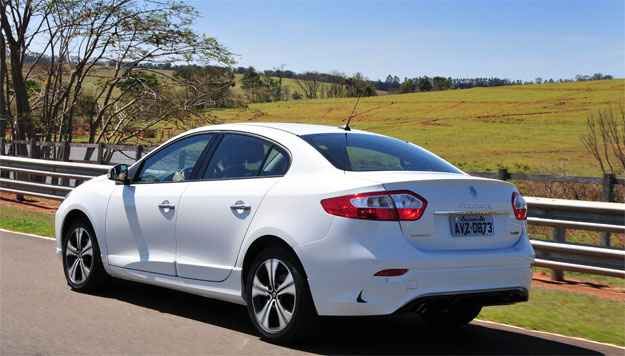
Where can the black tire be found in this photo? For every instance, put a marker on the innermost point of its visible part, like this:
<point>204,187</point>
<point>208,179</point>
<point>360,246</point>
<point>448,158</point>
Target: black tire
<point>456,315</point>
<point>304,322</point>
<point>83,270</point>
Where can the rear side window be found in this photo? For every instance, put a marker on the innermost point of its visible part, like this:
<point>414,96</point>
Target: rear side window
<point>364,152</point>
<point>243,156</point>
<point>276,163</point>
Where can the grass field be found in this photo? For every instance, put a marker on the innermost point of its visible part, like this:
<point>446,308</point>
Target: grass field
<point>529,128</point>
<point>23,220</point>
<point>565,313</point>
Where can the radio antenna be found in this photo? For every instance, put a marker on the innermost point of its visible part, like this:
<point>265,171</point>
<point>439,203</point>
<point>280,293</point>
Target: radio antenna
<point>351,116</point>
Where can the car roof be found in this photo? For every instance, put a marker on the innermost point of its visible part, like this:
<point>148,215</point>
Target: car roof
<point>293,128</point>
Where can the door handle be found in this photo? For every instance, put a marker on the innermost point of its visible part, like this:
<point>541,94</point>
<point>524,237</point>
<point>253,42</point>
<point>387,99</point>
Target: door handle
<point>165,204</point>
<point>240,205</point>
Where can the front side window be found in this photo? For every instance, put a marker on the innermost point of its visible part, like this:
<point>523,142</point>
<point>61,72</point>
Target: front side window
<point>175,162</point>
<point>364,152</point>
<point>243,156</point>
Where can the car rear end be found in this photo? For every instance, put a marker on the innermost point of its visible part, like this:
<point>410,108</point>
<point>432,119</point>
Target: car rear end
<point>418,239</point>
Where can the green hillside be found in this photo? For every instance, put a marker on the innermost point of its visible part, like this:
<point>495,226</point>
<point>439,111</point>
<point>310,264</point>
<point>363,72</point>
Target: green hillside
<point>532,128</point>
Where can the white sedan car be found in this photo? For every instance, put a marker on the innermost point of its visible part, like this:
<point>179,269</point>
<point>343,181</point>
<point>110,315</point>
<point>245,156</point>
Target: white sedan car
<point>300,221</point>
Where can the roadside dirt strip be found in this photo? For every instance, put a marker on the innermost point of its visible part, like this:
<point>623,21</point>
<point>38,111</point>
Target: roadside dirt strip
<point>40,315</point>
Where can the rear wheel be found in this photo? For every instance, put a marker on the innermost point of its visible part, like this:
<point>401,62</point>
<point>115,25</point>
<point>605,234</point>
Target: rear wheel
<point>81,258</point>
<point>456,315</point>
<point>278,298</point>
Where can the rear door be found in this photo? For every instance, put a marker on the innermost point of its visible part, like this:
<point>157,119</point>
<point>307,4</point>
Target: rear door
<point>216,212</point>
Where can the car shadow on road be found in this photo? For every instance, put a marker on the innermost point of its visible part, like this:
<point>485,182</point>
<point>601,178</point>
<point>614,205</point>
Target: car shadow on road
<point>348,335</point>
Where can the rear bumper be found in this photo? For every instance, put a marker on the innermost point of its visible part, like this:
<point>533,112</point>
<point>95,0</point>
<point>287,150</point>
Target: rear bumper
<point>365,294</point>
<point>341,271</point>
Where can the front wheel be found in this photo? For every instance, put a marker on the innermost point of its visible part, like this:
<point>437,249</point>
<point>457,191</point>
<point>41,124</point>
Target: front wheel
<point>278,298</point>
<point>81,258</point>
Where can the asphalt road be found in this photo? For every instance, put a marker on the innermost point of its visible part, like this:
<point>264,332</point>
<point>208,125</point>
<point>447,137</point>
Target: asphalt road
<point>40,315</point>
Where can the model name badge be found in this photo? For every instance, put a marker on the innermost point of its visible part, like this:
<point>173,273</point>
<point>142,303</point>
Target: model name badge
<point>475,206</point>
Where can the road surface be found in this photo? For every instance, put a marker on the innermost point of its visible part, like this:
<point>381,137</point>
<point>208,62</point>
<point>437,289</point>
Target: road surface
<point>40,315</point>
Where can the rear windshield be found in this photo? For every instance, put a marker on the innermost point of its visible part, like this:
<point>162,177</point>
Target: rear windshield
<point>363,152</point>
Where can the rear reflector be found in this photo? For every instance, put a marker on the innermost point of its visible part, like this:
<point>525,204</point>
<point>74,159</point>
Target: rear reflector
<point>392,272</point>
<point>519,206</point>
<point>389,205</point>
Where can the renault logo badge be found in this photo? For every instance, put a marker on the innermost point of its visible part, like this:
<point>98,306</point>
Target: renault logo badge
<point>473,192</point>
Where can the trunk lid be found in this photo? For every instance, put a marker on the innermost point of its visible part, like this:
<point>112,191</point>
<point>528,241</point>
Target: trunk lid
<point>455,198</point>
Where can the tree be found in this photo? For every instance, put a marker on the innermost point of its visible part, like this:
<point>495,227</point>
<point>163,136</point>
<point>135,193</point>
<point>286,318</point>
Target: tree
<point>252,84</point>
<point>605,139</point>
<point>408,86</point>
<point>358,85</point>
<point>18,33</point>
<point>440,83</point>
<point>262,87</point>
<point>4,102</point>
<point>80,37</point>
<point>425,84</point>
<point>597,76</point>
<point>310,86</point>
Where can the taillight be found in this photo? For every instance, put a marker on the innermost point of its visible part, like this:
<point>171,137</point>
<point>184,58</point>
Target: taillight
<point>391,205</point>
<point>519,206</point>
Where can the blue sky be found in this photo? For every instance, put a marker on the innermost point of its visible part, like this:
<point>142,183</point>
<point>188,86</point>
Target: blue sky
<point>508,39</point>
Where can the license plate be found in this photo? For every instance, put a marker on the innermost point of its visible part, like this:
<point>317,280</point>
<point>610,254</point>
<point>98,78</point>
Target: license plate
<point>472,225</point>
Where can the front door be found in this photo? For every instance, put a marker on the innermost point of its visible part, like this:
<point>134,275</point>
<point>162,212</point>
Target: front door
<point>141,217</point>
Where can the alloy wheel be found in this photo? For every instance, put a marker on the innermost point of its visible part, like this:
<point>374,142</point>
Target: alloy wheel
<point>273,295</point>
<point>79,256</point>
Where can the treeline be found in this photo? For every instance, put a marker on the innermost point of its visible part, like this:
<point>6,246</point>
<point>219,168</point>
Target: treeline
<point>270,85</point>
<point>596,76</point>
<point>393,84</point>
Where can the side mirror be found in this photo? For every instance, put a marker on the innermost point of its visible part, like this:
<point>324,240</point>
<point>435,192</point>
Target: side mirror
<point>119,173</point>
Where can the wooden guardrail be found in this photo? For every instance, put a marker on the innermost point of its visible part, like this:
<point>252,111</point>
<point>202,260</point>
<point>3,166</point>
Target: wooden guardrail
<point>54,179</point>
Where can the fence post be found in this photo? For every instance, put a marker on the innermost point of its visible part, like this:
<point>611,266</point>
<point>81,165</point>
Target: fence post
<point>559,235</point>
<point>139,152</point>
<point>31,148</point>
<point>3,174</point>
<point>66,151</point>
<point>30,152</point>
<point>66,147</point>
<point>100,158</point>
<point>609,181</point>
<point>503,174</point>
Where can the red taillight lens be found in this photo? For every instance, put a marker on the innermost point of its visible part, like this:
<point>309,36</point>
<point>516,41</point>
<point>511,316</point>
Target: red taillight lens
<point>519,206</point>
<point>392,272</point>
<point>391,205</point>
